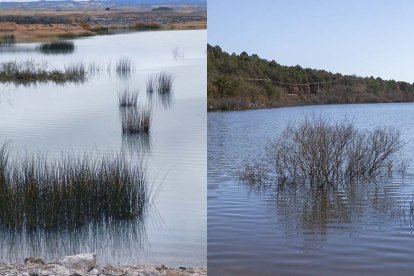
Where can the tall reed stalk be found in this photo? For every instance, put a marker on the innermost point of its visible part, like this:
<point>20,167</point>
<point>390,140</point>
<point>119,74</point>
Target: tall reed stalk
<point>38,193</point>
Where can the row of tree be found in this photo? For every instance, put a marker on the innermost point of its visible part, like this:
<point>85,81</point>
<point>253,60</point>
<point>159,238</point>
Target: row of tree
<point>247,81</point>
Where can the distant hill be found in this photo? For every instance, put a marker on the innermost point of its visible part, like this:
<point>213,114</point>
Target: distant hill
<point>70,4</point>
<point>248,81</point>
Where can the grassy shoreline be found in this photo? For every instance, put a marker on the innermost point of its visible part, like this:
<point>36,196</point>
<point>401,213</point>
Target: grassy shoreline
<point>298,105</point>
<point>70,33</point>
<point>38,26</point>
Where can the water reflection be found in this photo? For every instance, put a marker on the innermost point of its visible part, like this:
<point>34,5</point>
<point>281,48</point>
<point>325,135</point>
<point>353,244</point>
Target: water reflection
<point>16,49</point>
<point>158,99</point>
<point>136,143</point>
<point>124,238</point>
<point>316,212</point>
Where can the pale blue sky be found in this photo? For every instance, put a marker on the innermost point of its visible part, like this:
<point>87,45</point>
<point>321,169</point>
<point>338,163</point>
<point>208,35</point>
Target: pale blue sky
<point>370,37</point>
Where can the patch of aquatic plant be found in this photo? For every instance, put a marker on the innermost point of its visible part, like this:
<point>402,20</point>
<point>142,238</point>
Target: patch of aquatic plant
<point>57,47</point>
<point>162,83</point>
<point>124,66</point>
<point>151,84</point>
<point>7,41</point>
<point>319,154</point>
<point>136,120</point>
<point>38,193</point>
<point>127,98</point>
<point>75,71</point>
<point>29,72</point>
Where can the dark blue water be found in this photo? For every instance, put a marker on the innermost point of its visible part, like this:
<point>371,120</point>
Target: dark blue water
<point>368,231</point>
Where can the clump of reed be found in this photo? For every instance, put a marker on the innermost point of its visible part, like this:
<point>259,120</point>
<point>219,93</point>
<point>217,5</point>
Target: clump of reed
<point>124,66</point>
<point>75,71</point>
<point>136,120</point>
<point>37,193</point>
<point>7,41</point>
<point>321,154</point>
<point>165,82</point>
<point>162,83</point>
<point>127,98</point>
<point>57,47</point>
<point>151,84</point>
<point>29,71</point>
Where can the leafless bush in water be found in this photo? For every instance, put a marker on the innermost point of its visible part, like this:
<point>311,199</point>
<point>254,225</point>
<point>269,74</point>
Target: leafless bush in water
<point>321,154</point>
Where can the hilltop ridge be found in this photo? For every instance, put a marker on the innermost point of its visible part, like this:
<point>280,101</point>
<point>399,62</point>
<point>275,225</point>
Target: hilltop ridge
<point>244,81</point>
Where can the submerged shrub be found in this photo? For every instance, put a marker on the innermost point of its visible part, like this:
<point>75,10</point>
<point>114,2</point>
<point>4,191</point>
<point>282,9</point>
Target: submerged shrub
<point>37,193</point>
<point>319,153</point>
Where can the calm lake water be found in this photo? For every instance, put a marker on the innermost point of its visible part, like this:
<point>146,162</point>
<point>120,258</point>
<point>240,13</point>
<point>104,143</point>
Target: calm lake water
<point>85,118</point>
<point>366,231</point>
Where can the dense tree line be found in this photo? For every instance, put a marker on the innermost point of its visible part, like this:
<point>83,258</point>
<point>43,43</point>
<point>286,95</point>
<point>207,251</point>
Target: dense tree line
<point>247,81</point>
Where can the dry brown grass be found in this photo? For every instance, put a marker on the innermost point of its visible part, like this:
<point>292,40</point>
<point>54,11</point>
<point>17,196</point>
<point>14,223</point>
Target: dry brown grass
<point>40,32</point>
